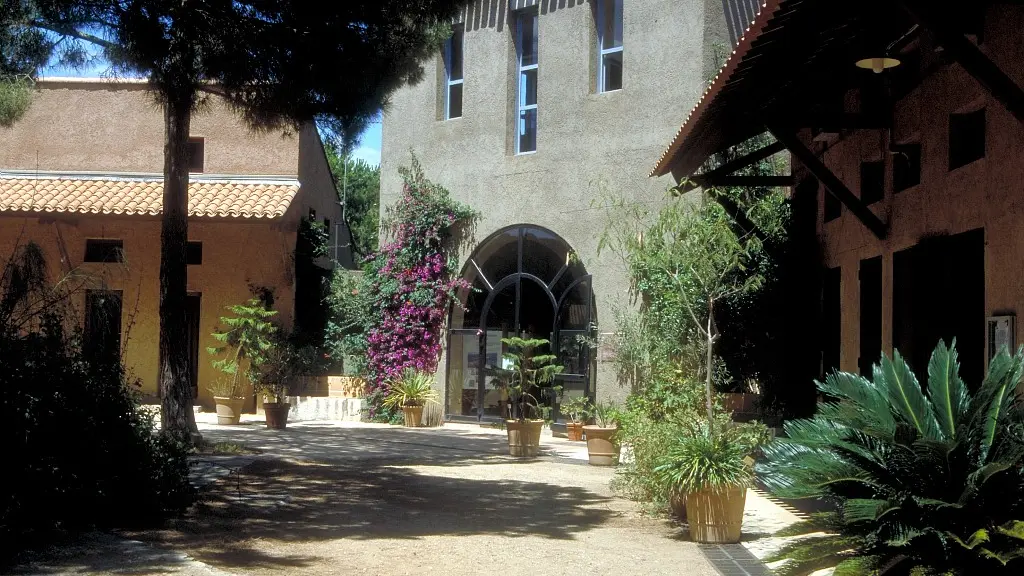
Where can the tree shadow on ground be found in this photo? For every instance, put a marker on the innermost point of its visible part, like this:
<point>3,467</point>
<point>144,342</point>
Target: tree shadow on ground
<point>292,501</point>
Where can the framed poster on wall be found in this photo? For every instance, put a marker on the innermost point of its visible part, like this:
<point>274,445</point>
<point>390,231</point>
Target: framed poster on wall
<point>1001,333</point>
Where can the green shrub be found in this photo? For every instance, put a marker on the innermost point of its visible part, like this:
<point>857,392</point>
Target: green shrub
<point>79,450</point>
<point>930,480</point>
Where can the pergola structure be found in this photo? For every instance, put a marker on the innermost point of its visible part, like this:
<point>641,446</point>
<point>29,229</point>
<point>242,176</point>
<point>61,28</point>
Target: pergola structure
<point>794,68</point>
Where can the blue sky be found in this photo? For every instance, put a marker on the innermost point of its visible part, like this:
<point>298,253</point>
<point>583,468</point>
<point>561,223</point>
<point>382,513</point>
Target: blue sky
<point>369,142</point>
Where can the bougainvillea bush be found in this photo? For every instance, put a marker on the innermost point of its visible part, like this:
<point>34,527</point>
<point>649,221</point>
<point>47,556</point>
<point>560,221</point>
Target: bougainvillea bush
<point>411,282</point>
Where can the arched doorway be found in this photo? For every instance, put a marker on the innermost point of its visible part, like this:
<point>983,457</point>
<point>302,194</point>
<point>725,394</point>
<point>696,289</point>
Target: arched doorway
<point>527,281</point>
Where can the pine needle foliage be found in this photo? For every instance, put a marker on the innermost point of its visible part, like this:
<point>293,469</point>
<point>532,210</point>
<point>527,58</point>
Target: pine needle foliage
<point>926,480</point>
<point>530,370</point>
<point>246,339</point>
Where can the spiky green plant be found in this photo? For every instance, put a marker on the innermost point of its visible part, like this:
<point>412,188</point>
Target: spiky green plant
<point>924,481</point>
<point>704,459</point>
<point>529,371</point>
<point>413,388</point>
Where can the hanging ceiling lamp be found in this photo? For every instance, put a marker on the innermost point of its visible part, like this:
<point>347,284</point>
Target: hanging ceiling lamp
<point>878,64</point>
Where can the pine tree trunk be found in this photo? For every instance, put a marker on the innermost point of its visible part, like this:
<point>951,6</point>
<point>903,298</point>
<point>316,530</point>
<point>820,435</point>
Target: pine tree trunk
<point>175,388</point>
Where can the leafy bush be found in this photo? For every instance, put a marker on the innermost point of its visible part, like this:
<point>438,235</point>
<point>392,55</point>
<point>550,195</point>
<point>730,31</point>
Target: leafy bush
<point>930,481</point>
<point>414,388</point>
<point>79,450</point>
<point>704,459</point>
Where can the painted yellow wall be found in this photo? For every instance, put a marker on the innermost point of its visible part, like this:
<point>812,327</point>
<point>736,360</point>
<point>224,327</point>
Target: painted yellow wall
<point>236,254</point>
<point>988,193</point>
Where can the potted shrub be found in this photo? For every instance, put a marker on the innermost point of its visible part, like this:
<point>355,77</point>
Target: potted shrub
<point>602,446</point>
<point>274,375</point>
<point>245,339</point>
<point>529,371</point>
<point>577,410</point>
<point>411,392</point>
<point>711,469</point>
<point>228,398</point>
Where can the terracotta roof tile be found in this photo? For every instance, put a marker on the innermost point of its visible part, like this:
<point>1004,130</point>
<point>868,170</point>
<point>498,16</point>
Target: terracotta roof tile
<point>128,196</point>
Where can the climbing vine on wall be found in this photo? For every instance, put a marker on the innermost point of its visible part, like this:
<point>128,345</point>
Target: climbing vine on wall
<point>411,281</point>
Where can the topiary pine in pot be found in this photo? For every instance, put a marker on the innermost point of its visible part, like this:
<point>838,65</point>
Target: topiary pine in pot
<point>577,409</point>
<point>245,339</point>
<point>925,481</point>
<point>410,393</point>
<point>530,370</point>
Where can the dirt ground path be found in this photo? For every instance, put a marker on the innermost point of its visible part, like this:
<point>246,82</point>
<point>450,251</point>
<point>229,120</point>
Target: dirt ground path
<point>391,501</point>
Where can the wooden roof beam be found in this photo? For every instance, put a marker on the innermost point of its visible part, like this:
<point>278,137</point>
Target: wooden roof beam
<point>831,182</point>
<point>973,60</point>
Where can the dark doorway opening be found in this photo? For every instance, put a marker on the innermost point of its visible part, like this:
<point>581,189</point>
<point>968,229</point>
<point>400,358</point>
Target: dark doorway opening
<point>103,326</point>
<point>939,294</point>
<point>870,314</point>
<point>832,320</point>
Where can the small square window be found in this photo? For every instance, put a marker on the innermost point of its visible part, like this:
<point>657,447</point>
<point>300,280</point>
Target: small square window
<point>104,251</point>
<point>906,166</point>
<point>195,155</point>
<point>194,253</point>
<point>833,207</point>
<point>872,182</point>
<point>966,138</point>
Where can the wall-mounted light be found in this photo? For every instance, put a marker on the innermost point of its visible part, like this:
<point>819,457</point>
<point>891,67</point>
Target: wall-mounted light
<point>877,65</point>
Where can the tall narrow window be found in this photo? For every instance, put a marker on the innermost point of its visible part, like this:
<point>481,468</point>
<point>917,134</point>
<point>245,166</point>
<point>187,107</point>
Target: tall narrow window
<point>609,43</point>
<point>872,182</point>
<point>966,138</point>
<point>906,166</point>
<point>526,52</point>
<point>195,154</point>
<point>453,74</point>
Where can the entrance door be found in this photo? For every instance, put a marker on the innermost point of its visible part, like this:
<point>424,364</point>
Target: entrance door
<point>103,325</point>
<point>192,302</point>
<point>870,314</point>
<point>939,293</point>
<point>528,283</point>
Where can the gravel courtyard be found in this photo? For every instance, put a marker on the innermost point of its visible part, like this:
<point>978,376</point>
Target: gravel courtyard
<point>377,500</point>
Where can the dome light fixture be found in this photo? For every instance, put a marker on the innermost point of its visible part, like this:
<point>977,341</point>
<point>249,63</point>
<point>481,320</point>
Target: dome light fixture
<point>878,64</point>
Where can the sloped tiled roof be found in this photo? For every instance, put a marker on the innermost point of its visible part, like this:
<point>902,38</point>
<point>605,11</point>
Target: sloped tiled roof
<point>87,194</point>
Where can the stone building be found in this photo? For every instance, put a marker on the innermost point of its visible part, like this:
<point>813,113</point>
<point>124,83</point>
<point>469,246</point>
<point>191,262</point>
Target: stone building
<point>81,177</point>
<point>905,130</point>
<point>534,112</point>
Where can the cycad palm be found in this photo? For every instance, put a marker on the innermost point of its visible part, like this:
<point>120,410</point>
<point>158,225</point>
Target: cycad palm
<point>925,480</point>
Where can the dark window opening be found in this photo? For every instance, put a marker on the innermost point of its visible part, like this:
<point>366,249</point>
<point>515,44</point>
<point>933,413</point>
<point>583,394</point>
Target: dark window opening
<point>195,154</point>
<point>312,215</point>
<point>966,138</point>
<point>833,207</point>
<point>872,182</point>
<point>906,166</point>
<point>104,251</point>
<point>194,253</point>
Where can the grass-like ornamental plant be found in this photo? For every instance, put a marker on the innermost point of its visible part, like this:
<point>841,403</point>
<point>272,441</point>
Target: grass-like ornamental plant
<point>926,481</point>
<point>706,459</point>
<point>413,388</point>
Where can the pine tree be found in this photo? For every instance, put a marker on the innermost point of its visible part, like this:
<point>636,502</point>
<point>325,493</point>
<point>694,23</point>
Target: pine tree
<point>279,63</point>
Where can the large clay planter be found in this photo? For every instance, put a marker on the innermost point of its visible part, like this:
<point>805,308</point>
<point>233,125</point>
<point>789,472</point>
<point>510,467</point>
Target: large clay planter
<point>229,410</point>
<point>677,502</point>
<point>413,416</point>
<point>716,517</point>
<point>277,414</point>
<point>524,437</point>
<point>601,447</point>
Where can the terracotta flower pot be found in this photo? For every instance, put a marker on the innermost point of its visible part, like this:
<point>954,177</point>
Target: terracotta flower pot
<point>716,517</point>
<point>229,410</point>
<point>574,431</point>
<point>524,437</point>
<point>277,414</point>
<point>413,416</point>
<point>601,446</point>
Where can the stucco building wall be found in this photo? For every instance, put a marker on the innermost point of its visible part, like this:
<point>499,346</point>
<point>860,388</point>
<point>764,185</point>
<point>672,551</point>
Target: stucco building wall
<point>590,145</point>
<point>224,278</point>
<point>986,193</point>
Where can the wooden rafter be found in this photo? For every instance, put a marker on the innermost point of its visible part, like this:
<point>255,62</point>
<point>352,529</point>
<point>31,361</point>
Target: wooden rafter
<point>830,180</point>
<point>931,16</point>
